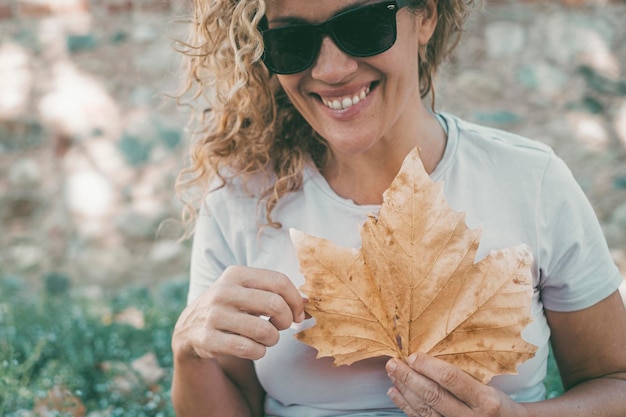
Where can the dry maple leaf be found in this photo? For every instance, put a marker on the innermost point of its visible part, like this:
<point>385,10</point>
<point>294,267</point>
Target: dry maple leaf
<point>414,286</point>
<point>59,401</point>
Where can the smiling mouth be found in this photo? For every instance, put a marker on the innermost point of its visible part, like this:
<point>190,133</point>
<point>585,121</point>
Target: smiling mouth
<point>345,102</point>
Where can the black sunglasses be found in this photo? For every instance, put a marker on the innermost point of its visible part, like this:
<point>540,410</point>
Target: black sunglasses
<point>363,31</point>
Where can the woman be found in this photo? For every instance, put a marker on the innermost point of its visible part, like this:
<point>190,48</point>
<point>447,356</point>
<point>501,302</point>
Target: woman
<point>313,108</point>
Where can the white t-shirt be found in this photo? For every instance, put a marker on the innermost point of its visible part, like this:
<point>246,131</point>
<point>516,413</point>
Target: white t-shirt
<point>517,189</point>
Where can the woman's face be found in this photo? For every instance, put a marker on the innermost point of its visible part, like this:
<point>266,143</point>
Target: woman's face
<point>357,104</point>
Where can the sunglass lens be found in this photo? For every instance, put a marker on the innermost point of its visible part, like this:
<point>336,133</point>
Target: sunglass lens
<point>367,31</point>
<point>290,49</point>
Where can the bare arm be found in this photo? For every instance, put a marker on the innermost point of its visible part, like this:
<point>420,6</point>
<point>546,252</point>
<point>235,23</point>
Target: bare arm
<point>218,335</point>
<point>590,348</point>
<point>211,387</point>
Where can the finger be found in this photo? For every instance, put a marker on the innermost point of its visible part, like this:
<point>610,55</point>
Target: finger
<point>243,324</point>
<point>306,314</point>
<point>458,383</point>
<point>404,405</point>
<point>424,394</point>
<point>261,303</point>
<point>274,282</point>
<point>231,345</point>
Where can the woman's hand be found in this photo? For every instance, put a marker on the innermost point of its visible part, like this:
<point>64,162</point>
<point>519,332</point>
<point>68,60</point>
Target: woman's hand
<point>429,387</point>
<point>230,318</point>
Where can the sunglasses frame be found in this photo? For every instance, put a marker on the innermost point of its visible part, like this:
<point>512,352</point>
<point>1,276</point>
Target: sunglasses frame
<point>326,28</point>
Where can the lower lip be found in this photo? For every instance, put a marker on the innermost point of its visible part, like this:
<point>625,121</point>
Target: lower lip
<point>352,111</point>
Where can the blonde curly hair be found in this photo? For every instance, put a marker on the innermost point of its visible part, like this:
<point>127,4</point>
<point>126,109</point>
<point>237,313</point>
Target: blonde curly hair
<point>244,124</point>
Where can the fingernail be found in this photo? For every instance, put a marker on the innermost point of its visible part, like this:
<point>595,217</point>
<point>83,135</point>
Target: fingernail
<point>391,366</point>
<point>411,359</point>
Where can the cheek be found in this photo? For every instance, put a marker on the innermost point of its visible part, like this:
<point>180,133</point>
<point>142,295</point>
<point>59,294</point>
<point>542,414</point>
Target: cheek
<point>289,83</point>
<point>407,44</point>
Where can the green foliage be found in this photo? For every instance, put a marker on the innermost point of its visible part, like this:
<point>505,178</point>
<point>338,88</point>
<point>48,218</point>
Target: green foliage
<point>62,340</point>
<point>552,382</point>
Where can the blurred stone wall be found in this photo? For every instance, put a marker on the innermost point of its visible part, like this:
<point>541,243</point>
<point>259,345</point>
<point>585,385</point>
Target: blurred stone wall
<point>89,149</point>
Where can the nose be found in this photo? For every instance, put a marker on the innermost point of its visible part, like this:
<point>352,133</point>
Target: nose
<point>332,64</point>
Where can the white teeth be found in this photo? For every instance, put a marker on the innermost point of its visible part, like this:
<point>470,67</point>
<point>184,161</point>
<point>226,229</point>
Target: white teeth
<point>345,102</point>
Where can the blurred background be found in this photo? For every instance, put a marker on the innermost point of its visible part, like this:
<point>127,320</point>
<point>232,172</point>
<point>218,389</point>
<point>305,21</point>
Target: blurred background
<point>90,148</point>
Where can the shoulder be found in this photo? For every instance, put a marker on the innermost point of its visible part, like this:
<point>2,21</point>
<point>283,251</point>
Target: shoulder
<point>487,148</point>
<point>234,192</point>
<point>233,204</point>
<point>486,135</point>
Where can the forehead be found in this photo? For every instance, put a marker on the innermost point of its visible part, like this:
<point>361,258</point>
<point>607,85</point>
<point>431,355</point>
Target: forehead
<point>308,10</point>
